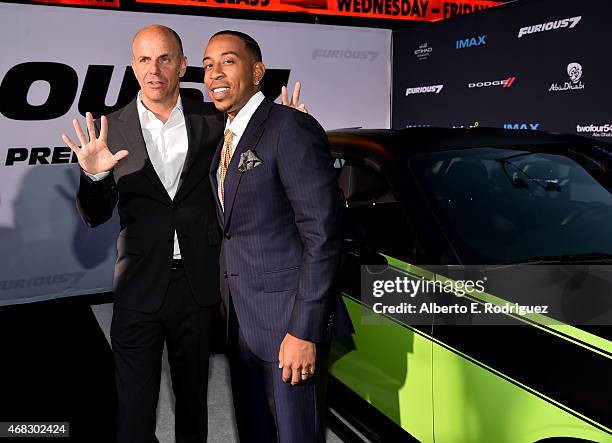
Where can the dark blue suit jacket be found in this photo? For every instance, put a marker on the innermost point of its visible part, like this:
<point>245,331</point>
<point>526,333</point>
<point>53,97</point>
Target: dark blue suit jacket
<point>281,228</point>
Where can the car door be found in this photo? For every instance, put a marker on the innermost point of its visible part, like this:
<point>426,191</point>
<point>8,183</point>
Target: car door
<point>389,363</point>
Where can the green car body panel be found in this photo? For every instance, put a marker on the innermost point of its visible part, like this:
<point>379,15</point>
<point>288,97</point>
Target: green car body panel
<point>428,388</point>
<point>390,369</point>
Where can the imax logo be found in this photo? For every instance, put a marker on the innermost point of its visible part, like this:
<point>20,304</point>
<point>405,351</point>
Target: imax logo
<point>503,83</point>
<point>471,42</point>
<point>532,126</point>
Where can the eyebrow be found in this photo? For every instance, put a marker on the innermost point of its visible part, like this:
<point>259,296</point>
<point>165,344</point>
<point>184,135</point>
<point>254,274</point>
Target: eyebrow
<point>225,53</point>
<point>159,56</point>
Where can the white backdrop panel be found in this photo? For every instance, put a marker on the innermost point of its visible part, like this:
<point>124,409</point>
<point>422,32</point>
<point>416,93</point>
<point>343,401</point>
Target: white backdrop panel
<point>46,250</point>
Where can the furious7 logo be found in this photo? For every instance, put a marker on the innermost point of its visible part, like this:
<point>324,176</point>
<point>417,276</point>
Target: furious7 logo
<point>425,89</point>
<point>345,54</point>
<point>564,23</point>
<point>69,278</point>
<point>63,83</point>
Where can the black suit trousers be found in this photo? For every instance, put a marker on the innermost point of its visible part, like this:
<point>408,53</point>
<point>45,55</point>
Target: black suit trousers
<point>138,342</point>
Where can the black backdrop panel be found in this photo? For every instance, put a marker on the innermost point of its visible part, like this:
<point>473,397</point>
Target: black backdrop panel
<point>490,75</point>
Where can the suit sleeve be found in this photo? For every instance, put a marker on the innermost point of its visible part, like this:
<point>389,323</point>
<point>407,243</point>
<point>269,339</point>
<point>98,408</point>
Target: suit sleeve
<point>96,199</point>
<point>309,179</point>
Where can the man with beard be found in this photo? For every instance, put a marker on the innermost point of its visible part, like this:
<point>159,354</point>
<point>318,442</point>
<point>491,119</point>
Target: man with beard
<point>279,207</point>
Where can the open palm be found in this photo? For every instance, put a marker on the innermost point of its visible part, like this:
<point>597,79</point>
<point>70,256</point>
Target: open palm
<point>93,155</point>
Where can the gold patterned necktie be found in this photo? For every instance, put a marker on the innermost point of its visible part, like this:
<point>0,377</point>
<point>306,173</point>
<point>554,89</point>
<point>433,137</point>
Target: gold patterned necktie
<point>226,157</point>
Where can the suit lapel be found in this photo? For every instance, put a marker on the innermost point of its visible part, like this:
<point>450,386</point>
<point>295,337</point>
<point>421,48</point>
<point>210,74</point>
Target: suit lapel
<point>212,175</point>
<point>249,140</point>
<point>195,136</point>
<point>132,133</point>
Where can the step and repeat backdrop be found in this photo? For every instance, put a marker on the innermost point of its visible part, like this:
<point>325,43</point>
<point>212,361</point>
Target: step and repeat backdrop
<point>57,63</point>
<point>532,65</point>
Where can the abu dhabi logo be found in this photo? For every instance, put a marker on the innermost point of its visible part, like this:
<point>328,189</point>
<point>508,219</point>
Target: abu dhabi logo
<point>595,130</point>
<point>574,72</point>
<point>434,89</point>
<point>557,24</point>
<point>423,51</point>
<point>479,40</point>
<point>506,83</point>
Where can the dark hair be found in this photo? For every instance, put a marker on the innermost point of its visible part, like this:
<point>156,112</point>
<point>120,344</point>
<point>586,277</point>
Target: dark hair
<point>250,43</point>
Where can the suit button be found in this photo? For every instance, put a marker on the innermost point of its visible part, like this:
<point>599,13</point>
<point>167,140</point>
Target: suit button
<point>225,274</point>
<point>228,236</point>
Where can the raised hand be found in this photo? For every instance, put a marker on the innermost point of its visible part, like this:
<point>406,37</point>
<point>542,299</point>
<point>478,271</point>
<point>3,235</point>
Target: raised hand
<point>295,99</point>
<point>93,155</point>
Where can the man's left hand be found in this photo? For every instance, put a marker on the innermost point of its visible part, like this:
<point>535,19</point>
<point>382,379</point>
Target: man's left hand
<point>295,99</point>
<point>297,359</point>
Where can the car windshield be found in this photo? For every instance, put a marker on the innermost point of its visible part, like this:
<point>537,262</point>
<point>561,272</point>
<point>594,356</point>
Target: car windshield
<point>515,204</point>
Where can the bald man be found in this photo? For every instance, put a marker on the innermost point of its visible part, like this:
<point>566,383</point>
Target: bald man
<point>151,158</point>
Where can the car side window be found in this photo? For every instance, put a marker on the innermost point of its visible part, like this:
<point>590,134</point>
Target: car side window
<point>373,223</point>
<point>372,216</point>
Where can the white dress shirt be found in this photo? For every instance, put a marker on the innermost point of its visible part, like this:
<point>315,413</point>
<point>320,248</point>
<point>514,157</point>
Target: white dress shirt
<point>167,149</point>
<point>237,125</point>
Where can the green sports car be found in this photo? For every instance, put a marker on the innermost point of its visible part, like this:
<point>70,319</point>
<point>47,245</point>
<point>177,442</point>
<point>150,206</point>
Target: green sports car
<point>494,199</point>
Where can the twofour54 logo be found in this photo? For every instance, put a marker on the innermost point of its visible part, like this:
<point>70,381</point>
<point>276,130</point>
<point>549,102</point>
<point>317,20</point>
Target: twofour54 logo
<point>574,72</point>
<point>595,130</point>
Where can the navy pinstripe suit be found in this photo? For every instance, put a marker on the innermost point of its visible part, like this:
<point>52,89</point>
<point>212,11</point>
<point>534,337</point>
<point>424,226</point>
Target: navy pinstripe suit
<point>279,257</point>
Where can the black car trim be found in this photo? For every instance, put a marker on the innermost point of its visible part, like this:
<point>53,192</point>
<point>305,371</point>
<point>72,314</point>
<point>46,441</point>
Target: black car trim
<point>368,420</point>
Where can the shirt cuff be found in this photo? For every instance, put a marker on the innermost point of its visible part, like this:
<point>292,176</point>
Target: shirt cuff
<point>97,177</point>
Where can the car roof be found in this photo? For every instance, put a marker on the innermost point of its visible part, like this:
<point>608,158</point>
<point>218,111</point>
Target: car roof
<point>411,141</point>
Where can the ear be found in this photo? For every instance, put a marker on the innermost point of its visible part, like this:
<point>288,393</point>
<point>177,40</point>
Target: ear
<point>183,67</point>
<point>132,64</point>
<point>259,70</point>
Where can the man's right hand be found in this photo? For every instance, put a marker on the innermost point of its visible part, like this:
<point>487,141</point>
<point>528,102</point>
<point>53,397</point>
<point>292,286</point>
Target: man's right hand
<point>94,156</point>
